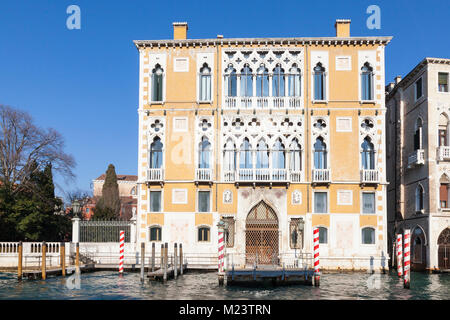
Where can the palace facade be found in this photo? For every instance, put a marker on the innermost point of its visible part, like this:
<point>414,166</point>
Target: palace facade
<point>274,136</point>
<point>418,160</point>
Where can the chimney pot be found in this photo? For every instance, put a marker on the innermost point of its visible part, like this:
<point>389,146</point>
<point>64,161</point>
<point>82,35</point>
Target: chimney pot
<point>398,79</point>
<point>180,30</point>
<point>342,28</point>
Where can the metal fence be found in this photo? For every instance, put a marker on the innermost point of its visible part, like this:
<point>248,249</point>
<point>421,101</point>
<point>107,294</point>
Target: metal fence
<point>104,231</point>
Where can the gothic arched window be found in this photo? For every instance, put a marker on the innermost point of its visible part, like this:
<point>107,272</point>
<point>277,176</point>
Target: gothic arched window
<point>246,82</point>
<point>319,82</point>
<point>367,155</point>
<point>205,83</point>
<point>157,83</point>
<point>366,82</point>
<point>294,82</point>
<point>156,153</point>
<point>278,82</point>
<point>320,154</point>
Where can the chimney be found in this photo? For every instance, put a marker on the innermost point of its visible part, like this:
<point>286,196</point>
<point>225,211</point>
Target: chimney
<point>398,79</point>
<point>220,36</point>
<point>342,28</point>
<point>180,30</point>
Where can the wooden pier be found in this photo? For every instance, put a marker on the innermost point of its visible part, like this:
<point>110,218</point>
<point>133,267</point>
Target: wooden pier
<point>159,274</point>
<point>267,275</point>
<point>34,274</point>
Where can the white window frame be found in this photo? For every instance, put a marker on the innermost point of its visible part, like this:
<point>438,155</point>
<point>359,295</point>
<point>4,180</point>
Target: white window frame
<point>161,200</point>
<point>448,84</point>
<point>197,229</point>
<point>328,201</point>
<point>197,202</point>
<point>362,203</point>
<point>374,76</point>
<point>149,232</point>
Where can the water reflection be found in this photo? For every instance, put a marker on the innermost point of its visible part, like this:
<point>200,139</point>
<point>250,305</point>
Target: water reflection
<point>204,286</point>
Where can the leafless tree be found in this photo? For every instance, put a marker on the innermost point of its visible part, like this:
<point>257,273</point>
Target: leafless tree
<point>82,196</point>
<point>26,148</point>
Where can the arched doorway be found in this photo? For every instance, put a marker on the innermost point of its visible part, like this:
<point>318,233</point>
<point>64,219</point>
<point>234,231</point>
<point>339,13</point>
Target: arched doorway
<point>418,250</point>
<point>444,249</point>
<point>261,235</point>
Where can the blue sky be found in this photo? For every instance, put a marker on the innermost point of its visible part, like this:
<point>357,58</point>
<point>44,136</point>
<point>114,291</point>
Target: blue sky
<point>84,83</point>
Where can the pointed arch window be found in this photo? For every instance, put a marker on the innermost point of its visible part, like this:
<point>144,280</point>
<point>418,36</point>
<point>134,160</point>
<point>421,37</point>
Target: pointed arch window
<point>366,82</point>
<point>157,83</point>
<point>367,155</point>
<point>419,198</point>
<point>278,82</point>
<point>229,159</point>
<point>278,156</point>
<point>204,154</point>
<point>319,82</point>
<point>156,153</point>
<point>205,83</point>
<point>262,82</point>
<point>246,82</point>
<point>245,155</point>
<point>231,82</point>
<point>262,155</point>
<point>294,82</point>
<point>320,154</point>
<point>295,156</point>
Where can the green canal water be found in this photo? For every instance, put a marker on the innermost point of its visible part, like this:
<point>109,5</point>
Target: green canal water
<point>204,286</point>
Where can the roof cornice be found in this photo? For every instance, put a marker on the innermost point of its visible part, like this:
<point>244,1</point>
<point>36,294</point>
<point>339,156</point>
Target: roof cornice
<point>262,41</point>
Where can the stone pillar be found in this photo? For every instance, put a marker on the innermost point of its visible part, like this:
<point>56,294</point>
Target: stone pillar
<point>133,239</point>
<point>76,230</point>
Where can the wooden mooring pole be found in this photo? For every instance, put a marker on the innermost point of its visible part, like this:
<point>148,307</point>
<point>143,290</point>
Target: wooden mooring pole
<point>166,249</point>
<point>153,257</point>
<point>44,258</point>
<point>77,258</point>
<point>181,258</point>
<point>19,264</point>
<point>62,251</point>
<point>142,261</point>
<point>161,261</point>
<point>175,260</point>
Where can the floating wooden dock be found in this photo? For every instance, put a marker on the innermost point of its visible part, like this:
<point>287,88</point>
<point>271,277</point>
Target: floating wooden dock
<point>34,274</point>
<point>267,275</point>
<point>159,274</point>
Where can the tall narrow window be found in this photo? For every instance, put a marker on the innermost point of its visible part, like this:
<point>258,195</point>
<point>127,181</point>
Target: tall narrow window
<point>367,155</point>
<point>157,83</point>
<point>319,82</point>
<point>156,154</point>
<point>443,127</point>
<point>367,82</point>
<point>262,82</point>
<point>262,155</point>
<point>323,235</point>
<point>155,201</point>
<point>294,81</point>
<point>368,235</point>
<point>278,156</point>
<point>443,82</point>
<point>419,198</point>
<point>320,202</point>
<point>443,195</point>
<point>204,201</point>
<point>231,82</point>
<point>418,135</point>
<point>320,154</point>
<point>245,155</point>
<point>229,159</point>
<point>204,154</point>
<point>295,156</point>
<point>205,83</point>
<point>246,82</point>
<point>278,82</point>
<point>419,90</point>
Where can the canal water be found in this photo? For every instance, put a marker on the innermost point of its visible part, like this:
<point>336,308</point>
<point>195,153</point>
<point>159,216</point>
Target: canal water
<point>107,285</point>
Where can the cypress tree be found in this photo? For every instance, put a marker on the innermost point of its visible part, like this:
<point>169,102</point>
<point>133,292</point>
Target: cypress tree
<point>108,206</point>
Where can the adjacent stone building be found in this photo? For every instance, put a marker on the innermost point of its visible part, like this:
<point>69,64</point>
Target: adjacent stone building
<point>275,136</point>
<point>418,158</point>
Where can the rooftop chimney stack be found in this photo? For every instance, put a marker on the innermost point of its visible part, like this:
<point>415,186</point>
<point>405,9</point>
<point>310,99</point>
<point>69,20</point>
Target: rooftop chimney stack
<point>180,30</point>
<point>342,28</point>
<point>398,79</point>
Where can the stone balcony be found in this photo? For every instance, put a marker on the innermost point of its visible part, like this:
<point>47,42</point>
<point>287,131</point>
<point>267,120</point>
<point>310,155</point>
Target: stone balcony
<point>416,158</point>
<point>155,175</point>
<point>370,176</point>
<point>321,176</point>
<point>444,153</point>
<point>262,102</point>
<point>265,175</point>
<point>203,175</point>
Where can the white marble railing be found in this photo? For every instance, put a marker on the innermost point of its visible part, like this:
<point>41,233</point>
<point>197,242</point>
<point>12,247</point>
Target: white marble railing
<point>203,174</point>
<point>444,153</point>
<point>262,175</point>
<point>155,174</point>
<point>370,176</point>
<point>321,175</point>
<point>262,102</point>
<point>416,158</point>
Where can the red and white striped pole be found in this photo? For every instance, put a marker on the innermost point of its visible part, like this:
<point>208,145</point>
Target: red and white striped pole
<point>122,245</point>
<point>406,279</point>
<point>399,256</point>
<point>221,250</point>
<point>316,257</point>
